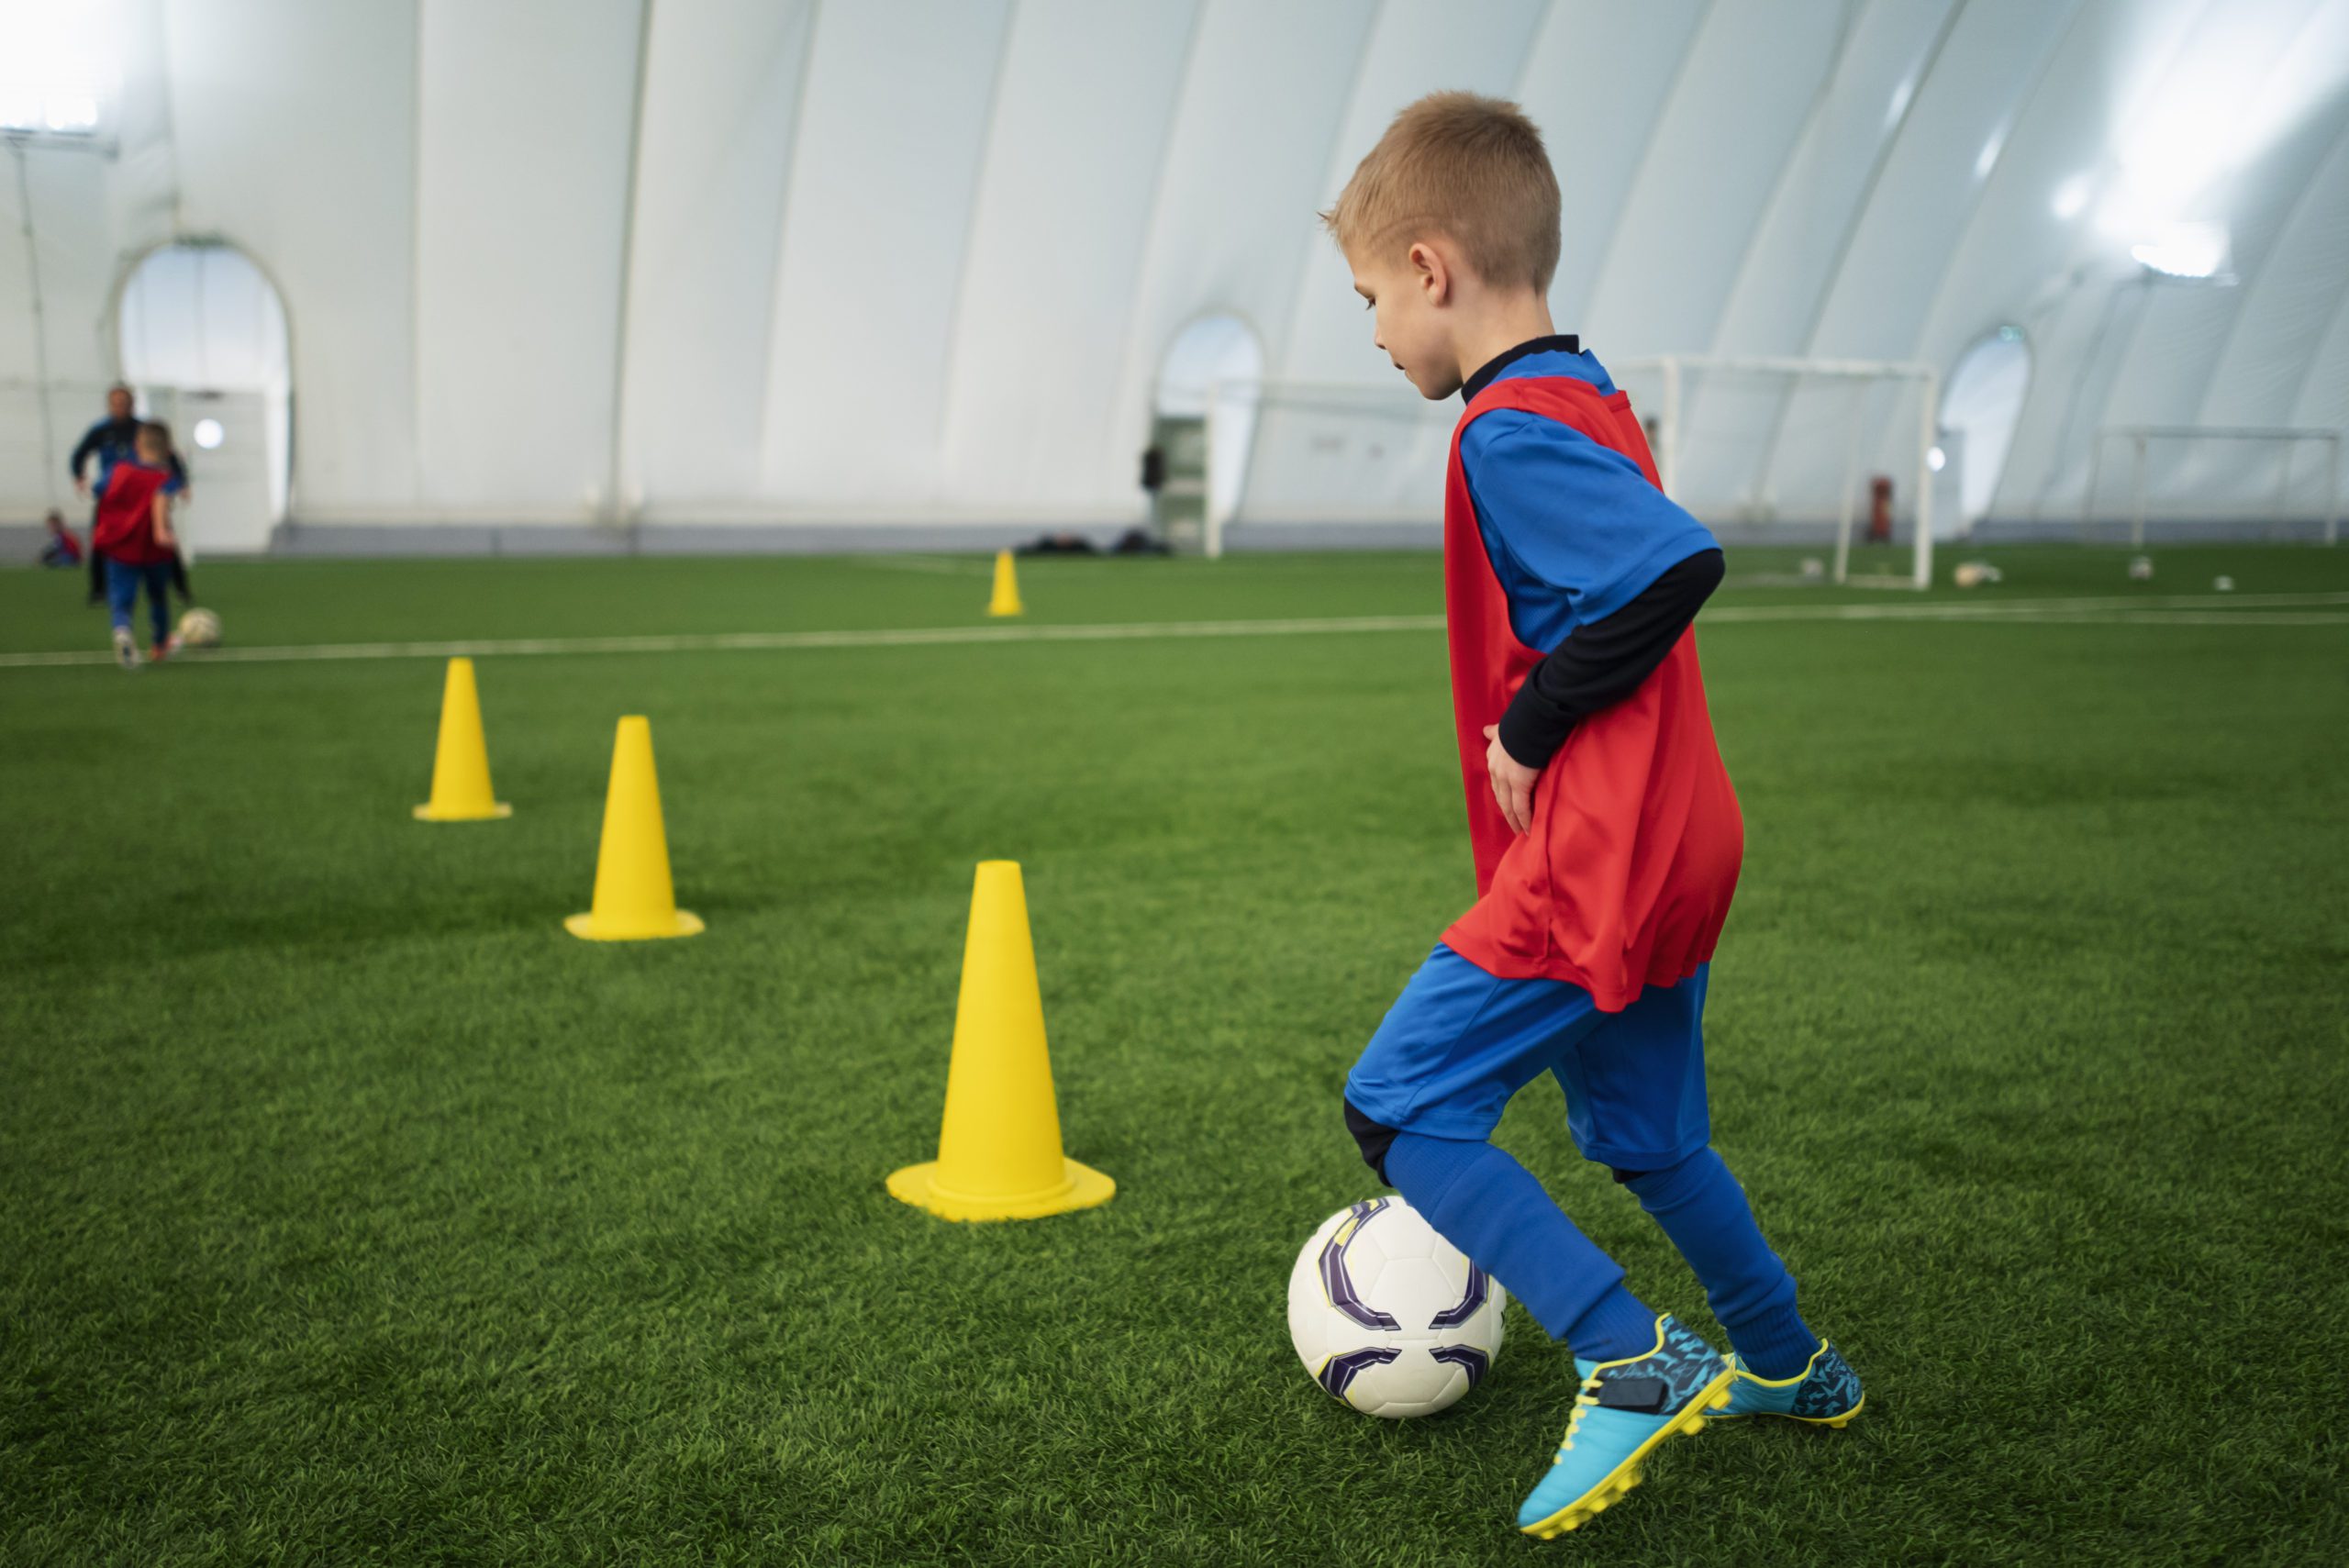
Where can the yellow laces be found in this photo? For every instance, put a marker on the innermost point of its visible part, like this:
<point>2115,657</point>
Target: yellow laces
<point>1583,1401</point>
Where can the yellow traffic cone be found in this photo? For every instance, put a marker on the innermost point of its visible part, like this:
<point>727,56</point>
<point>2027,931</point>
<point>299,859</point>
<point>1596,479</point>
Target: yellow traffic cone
<point>999,1149</point>
<point>1006,601</point>
<point>461,791</point>
<point>634,900</point>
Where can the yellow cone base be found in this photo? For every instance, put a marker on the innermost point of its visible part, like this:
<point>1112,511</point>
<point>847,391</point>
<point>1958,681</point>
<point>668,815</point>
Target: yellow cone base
<point>1082,1187</point>
<point>583,926</point>
<point>427,814</point>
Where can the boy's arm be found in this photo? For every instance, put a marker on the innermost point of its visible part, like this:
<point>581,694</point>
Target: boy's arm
<point>1601,665</point>
<point>163,521</point>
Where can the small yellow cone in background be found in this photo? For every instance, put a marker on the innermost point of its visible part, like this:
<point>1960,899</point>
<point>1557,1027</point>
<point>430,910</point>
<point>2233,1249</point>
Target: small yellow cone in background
<point>461,791</point>
<point>634,900</point>
<point>999,1149</point>
<point>1006,601</point>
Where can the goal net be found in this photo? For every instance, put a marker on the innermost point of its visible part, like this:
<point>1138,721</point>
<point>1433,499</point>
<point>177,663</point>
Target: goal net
<point>1793,452</point>
<point>2175,483</point>
<point>1773,451</point>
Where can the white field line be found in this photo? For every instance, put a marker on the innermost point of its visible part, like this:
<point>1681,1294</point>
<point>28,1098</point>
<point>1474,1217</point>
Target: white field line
<point>2250,609</point>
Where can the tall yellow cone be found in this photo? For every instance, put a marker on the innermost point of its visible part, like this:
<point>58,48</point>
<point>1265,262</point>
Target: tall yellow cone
<point>634,901</point>
<point>461,791</point>
<point>1006,601</point>
<point>999,1149</point>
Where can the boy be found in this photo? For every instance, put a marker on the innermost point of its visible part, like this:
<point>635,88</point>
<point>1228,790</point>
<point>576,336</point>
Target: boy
<point>134,538</point>
<point>1606,836</point>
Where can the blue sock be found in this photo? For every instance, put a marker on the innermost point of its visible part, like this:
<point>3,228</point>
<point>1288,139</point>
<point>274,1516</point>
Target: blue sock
<point>1704,1211</point>
<point>1490,1207</point>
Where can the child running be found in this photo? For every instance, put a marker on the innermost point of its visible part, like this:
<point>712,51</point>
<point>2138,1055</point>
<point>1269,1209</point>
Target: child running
<point>1606,836</point>
<point>134,538</point>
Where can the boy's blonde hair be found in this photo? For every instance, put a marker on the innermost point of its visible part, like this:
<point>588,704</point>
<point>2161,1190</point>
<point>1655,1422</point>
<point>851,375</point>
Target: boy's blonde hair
<point>1469,168</point>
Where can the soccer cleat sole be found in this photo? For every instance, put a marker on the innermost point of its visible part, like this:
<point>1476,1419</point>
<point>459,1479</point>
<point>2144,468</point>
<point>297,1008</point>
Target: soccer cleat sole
<point>1836,1423</point>
<point>1616,1482</point>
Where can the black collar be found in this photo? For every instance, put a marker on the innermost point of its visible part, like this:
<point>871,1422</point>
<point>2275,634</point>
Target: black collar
<point>1559,343</point>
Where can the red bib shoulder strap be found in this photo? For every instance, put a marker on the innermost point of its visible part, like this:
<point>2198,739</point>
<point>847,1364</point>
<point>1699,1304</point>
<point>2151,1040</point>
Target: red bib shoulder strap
<point>1605,416</point>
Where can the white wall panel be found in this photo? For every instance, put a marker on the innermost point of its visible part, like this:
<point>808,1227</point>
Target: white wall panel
<point>1231,227</point>
<point>2232,55</point>
<point>2027,258</point>
<point>1784,277</point>
<point>920,258</point>
<point>722,90</point>
<point>1902,244</point>
<point>2285,310</point>
<point>1413,50</point>
<point>1702,184</point>
<point>1075,148</point>
<point>1595,80</point>
<point>293,133</point>
<point>877,220</point>
<point>523,146</point>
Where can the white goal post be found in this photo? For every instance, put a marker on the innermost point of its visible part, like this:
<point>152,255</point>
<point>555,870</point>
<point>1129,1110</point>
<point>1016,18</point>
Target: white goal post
<point>1781,450</point>
<point>2215,481</point>
<point>1789,447</point>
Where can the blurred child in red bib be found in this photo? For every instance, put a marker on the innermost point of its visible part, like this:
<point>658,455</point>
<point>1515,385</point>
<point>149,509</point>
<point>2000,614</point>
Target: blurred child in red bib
<point>134,538</point>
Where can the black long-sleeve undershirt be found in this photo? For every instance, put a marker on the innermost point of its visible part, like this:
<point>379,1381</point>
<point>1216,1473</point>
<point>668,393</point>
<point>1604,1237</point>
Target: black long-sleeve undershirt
<point>1601,665</point>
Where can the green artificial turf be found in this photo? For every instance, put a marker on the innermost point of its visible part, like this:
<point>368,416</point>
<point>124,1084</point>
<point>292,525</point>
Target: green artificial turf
<point>353,1212</point>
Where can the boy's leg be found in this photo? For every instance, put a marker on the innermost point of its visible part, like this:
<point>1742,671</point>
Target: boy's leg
<point>179,577</point>
<point>1423,1101</point>
<point>1704,1211</point>
<point>159,600</point>
<point>121,589</point>
<point>1636,1101</point>
<point>1490,1207</point>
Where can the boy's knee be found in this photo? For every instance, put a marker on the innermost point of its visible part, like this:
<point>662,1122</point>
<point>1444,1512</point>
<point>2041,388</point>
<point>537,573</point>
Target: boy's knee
<point>1653,1175</point>
<point>1374,1139</point>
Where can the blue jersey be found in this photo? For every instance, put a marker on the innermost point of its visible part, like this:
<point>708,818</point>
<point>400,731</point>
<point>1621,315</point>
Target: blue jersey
<point>1574,528</point>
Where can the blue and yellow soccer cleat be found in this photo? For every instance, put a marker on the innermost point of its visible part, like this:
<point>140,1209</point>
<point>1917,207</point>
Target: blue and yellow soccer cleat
<point>1825,1393</point>
<point>1624,1410</point>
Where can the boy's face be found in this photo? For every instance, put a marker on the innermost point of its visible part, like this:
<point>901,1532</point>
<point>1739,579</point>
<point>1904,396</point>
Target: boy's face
<point>1409,293</point>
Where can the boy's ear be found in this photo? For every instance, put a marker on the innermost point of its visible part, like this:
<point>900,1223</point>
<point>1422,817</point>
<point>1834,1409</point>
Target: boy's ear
<point>1431,271</point>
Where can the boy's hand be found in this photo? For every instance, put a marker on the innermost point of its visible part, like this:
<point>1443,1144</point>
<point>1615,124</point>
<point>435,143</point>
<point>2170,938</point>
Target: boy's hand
<point>1513,782</point>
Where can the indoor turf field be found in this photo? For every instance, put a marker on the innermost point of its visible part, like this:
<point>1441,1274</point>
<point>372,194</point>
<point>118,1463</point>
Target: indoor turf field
<point>352,1202</point>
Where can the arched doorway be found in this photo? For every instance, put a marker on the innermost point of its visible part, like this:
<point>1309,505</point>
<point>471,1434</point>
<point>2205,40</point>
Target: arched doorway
<point>1977,417</point>
<point>203,338</point>
<point>1204,418</point>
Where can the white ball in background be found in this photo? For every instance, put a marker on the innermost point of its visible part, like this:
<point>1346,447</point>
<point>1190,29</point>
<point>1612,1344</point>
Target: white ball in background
<point>2224,585</point>
<point>2141,569</point>
<point>1388,1316</point>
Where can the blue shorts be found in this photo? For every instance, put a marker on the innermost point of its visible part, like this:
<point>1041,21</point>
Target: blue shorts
<point>1459,1042</point>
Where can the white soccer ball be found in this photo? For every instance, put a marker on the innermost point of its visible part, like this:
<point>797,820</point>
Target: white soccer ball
<point>2141,569</point>
<point>199,629</point>
<point>1388,1316</point>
